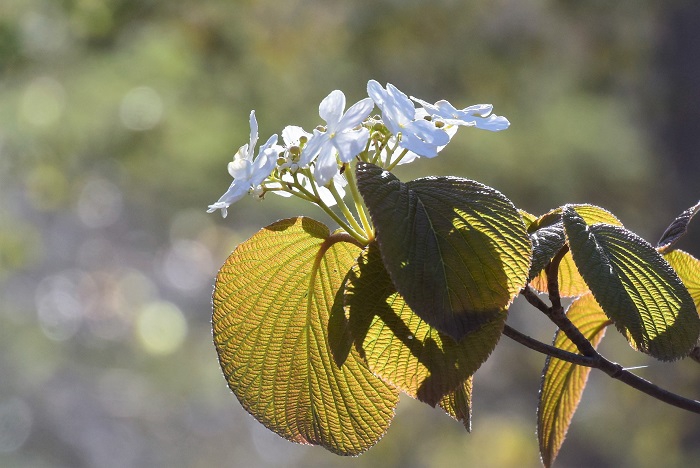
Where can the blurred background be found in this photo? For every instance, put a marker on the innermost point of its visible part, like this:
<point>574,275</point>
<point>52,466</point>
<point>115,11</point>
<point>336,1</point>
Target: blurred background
<point>117,120</point>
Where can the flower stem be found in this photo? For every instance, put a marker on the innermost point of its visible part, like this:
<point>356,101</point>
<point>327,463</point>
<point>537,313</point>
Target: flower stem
<point>344,208</point>
<point>314,197</point>
<point>359,202</point>
<point>398,160</point>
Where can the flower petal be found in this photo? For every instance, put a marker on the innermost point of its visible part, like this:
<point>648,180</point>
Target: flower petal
<point>428,132</point>
<point>312,148</point>
<point>253,134</point>
<point>493,123</point>
<point>377,93</point>
<point>292,134</point>
<point>356,114</point>
<point>401,101</point>
<point>331,108</point>
<point>350,144</point>
<point>326,165</point>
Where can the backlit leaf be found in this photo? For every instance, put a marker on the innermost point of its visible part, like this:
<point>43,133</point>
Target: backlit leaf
<point>547,236</point>
<point>676,229</point>
<point>458,403</point>
<point>635,286</point>
<point>456,250</point>
<point>688,269</point>
<point>546,242</point>
<point>402,348</point>
<point>272,303</point>
<point>562,382</point>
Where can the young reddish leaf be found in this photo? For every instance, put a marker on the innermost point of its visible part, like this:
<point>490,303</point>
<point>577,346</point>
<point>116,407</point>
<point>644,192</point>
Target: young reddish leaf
<point>635,286</point>
<point>399,346</point>
<point>456,250</point>
<point>272,302</point>
<point>676,229</point>
<point>562,382</point>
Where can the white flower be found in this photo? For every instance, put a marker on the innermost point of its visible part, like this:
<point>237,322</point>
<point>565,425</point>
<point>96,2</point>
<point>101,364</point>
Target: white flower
<point>292,137</point>
<point>418,135</point>
<point>472,116</point>
<point>340,136</point>
<point>248,172</point>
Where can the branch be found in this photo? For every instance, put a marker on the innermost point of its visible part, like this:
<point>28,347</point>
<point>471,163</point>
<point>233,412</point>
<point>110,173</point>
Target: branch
<point>616,371</point>
<point>549,350</point>
<point>591,357</point>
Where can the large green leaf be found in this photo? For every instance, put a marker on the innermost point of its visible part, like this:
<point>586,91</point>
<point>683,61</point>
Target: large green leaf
<point>272,303</point>
<point>456,250</point>
<point>547,235</point>
<point>562,382</point>
<point>635,286</point>
<point>402,348</point>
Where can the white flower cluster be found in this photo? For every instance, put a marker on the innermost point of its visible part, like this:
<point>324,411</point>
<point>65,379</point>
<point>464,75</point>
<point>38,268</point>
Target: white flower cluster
<point>312,165</point>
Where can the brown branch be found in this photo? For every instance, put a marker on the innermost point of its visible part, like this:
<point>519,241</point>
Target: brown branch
<point>549,350</point>
<point>591,357</point>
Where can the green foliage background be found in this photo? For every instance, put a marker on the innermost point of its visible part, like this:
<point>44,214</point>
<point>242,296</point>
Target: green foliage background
<point>117,119</point>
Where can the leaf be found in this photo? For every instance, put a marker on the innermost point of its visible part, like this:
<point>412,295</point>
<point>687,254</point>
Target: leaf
<point>546,242</point>
<point>458,403</point>
<point>676,229</point>
<point>571,284</point>
<point>688,269</point>
<point>528,218</point>
<point>547,235</point>
<point>399,346</point>
<point>635,286</point>
<point>456,250</point>
<point>562,382</point>
<point>272,302</point>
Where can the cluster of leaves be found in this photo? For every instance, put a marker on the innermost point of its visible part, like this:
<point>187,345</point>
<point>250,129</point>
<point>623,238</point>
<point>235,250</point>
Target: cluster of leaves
<point>317,333</point>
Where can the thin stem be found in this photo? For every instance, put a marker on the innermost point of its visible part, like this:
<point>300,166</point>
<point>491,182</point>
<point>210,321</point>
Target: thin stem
<point>552,271</point>
<point>614,370</point>
<point>359,201</point>
<point>549,350</point>
<point>316,199</point>
<point>380,147</point>
<point>398,160</point>
<point>556,312</point>
<point>344,208</point>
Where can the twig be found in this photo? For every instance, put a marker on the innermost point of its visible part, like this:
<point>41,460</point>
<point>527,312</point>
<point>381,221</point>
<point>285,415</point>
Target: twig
<point>549,350</point>
<point>591,357</point>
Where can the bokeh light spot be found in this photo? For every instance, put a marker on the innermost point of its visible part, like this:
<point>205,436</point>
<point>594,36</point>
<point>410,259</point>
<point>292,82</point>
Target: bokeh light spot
<point>161,327</point>
<point>59,305</point>
<point>188,265</point>
<point>141,109</point>
<point>15,424</point>
<point>47,187</point>
<point>100,203</point>
<point>43,102</point>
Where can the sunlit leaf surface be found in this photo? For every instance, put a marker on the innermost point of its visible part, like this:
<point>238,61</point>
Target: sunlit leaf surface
<point>456,250</point>
<point>562,382</point>
<point>547,235</point>
<point>635,286</point>
<point>272,303</point>
<point>402,348</point>
<point>458,403</point>
<point>688,269</point>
